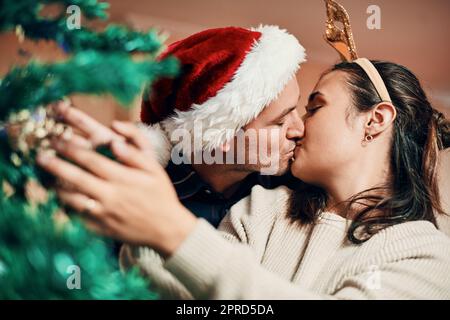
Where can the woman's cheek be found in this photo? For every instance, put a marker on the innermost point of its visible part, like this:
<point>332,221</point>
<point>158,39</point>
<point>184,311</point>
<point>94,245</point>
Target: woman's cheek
<point>319,132</point>
<point>328,141</point>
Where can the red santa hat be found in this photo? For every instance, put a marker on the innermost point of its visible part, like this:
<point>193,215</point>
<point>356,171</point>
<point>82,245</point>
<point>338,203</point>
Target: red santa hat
<point>228,75</point>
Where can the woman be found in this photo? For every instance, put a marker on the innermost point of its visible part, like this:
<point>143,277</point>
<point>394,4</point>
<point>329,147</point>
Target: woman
<point>360,227</point>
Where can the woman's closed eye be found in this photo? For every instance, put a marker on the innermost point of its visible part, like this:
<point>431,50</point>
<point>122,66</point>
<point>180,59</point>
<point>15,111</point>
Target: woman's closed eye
<point>312,110</point>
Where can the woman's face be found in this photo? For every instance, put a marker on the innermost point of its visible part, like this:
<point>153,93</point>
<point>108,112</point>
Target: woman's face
<point>333,132</point>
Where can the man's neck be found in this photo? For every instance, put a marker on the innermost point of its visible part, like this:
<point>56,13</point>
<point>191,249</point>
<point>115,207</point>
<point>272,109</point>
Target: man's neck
<point>222,178</point>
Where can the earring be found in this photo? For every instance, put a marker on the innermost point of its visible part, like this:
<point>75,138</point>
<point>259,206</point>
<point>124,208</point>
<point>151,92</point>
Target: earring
<point>368,138</point>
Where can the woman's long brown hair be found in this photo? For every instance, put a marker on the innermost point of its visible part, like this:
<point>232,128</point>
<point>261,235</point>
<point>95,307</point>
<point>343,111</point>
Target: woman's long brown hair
<point>420,132</point>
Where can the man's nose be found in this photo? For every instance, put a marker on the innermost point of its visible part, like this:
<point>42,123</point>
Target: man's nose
<point>296,128</point>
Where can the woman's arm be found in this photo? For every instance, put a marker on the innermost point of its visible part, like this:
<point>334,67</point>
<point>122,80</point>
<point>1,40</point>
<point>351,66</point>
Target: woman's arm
<point>151,265</point>
<point>212,268</point>
<point>238,226</point>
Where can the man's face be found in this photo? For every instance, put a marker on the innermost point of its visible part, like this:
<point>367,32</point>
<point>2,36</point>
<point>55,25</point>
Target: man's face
<point>271,138</point>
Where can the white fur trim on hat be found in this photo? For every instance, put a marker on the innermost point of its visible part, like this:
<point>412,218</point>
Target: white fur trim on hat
<point>159,140</point>
<point>267,68</point>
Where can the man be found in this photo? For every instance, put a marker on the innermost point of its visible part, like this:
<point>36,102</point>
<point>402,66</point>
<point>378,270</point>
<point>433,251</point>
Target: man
<point>236,94</point>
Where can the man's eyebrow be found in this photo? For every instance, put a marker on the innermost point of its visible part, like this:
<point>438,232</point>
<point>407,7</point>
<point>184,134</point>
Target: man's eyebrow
<point>285,112</point>
<point>313,95</point>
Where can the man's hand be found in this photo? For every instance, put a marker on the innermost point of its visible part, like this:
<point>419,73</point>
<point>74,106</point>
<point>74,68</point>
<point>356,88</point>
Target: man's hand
<point>134,202</point>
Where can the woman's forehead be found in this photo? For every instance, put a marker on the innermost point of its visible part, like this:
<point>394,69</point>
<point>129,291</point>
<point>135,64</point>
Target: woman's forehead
<point>331,83</point>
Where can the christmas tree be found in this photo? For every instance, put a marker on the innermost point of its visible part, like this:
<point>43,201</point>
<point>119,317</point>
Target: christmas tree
<point>43,254</point>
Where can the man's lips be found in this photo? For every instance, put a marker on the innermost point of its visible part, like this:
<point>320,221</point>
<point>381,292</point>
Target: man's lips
<point>291,151</point>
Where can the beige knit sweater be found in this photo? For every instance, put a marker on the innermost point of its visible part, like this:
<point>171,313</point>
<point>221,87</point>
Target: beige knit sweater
<point>259,254</point>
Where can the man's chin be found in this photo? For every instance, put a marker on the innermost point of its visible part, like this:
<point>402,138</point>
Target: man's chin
<point>279,170</point>
<point>284,169</point>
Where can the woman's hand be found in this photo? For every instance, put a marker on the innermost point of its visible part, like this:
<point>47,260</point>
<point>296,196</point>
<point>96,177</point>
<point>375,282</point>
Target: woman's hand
<point>134,202</point>
<point>90,132</point>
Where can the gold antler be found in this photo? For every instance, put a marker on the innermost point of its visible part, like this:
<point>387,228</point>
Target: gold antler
<point>341,40</point>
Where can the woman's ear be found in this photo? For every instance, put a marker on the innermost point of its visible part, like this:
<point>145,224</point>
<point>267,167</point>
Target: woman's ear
<point>380,118</point>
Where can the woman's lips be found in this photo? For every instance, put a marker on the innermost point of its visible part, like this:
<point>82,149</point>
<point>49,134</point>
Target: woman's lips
<point>297,148</point>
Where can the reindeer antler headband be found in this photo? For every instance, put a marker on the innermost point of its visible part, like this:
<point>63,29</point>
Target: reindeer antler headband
<point>342,41</point>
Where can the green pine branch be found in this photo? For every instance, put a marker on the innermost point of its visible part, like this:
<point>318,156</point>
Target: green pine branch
<point>36,255</point>
<point>88,72</point>
<point>35,252</point>
<point>26,14</point>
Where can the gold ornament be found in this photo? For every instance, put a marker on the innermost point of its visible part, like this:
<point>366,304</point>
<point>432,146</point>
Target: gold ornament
<point>20,33</point>
<point>342,41</point>
<point>31,131</point>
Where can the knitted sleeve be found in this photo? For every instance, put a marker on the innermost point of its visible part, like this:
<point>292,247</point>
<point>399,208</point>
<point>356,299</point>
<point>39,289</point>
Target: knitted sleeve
<point>212,268</point>
<point>150,264</point>
<point>237,227</point>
